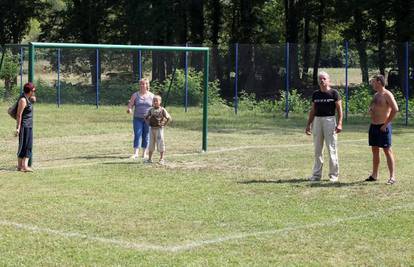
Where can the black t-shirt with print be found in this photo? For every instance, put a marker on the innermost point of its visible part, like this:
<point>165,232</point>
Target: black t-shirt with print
<point>325,102</point>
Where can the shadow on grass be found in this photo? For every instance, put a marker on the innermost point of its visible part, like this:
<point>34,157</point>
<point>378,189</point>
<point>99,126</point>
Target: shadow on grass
<point>297,181</point>
<point>123,162</point>
<point>88,157</point>
<point>280,181</point>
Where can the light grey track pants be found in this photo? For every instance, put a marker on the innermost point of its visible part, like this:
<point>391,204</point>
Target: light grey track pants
<point>323,129</point>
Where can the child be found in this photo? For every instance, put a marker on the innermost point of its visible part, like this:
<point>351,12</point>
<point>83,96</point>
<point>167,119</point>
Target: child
<point>157,117</point>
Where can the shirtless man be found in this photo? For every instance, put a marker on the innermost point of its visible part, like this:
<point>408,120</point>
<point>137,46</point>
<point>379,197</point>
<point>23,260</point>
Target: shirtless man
<point>383,109</point>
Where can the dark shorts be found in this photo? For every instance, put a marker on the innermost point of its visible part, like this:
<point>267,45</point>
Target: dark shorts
<point>379,138</point>
<point>25,143</point>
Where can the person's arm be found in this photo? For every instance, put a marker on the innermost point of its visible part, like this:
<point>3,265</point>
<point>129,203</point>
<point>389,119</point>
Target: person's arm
<point>147,116</point>
<point>167,117</point>
<point>310,120</point>
<point>394,109</point>
<point>131,103</point>
<point>21,106</point>
<point>338,105</point>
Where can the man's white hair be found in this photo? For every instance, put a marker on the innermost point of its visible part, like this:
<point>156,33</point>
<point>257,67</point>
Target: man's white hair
<point>324,74</point>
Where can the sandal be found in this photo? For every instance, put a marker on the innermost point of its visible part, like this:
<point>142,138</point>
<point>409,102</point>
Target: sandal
<point>370,179</point>
<point>391,181</point>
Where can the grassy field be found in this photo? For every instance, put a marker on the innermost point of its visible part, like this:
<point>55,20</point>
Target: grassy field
<point>244,202</point>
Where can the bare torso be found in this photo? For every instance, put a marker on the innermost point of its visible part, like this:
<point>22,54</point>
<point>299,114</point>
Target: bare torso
<point>379,109</point>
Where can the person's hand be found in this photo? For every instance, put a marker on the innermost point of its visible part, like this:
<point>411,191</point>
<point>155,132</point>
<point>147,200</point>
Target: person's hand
<point>338,128</point>
<point>33,99</point>
<point>16,133</point>
<point>308,130</point>
<point>383,128</point>
<point>129,111</point>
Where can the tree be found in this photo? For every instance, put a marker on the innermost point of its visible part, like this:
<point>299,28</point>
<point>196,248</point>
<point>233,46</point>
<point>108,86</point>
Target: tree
<point>8,72</point>
<point>15,16</point>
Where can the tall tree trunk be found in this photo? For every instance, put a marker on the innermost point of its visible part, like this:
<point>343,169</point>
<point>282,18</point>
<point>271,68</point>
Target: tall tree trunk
<point>318,42</point>
<point>317,54</point>
<point>292,36</point>
<point>306,57</point>
<point>196,12</point>
<point>381,38</point>
<point>361,45</point>
<point>404,32</point>
<point>215,31</point>
<point>93,66</point>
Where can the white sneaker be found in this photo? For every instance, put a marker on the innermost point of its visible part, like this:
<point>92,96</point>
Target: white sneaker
<point>314,179</point>
<point>133,157</point>
<point>334,179</point>
<point>161,162</point>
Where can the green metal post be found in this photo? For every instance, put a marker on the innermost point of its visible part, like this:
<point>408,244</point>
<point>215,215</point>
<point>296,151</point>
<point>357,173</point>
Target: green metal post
<point>31,62</point>
<point>205,98</point>
<point>31,79</point>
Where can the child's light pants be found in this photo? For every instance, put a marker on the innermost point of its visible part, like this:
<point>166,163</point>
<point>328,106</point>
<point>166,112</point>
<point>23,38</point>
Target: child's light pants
<point>157,139</point>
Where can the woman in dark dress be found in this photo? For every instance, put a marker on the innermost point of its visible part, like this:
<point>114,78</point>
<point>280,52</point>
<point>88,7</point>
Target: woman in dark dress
<point>24,128</point>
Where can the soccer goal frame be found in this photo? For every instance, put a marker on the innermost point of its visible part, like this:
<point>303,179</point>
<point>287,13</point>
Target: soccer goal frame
<point>205,50</point>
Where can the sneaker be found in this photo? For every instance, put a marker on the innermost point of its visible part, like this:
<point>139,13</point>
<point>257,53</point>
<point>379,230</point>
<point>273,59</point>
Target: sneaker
<point>314,179</point>
<point>161,162</point>
<point>334,179</point>
<point>148,161</point>
<point>134,157</point>
<point>370,179</point>
<point>391,181</point>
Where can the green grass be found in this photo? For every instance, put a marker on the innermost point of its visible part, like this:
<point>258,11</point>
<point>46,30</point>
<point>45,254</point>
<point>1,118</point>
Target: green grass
<point>247,197</point>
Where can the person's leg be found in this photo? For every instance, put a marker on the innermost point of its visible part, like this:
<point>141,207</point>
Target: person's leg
<point>25,149</point>
<point>375,161</point>
<point>145,138</point>
<point>152,141</point>
<point>19,163</point>
<point>318,147</point>
<point>137,135</point>
<point>25,165</point>
<point>20,152</point>
<point>161,144</point>
<point>331,141</point>
<point>390,161</point>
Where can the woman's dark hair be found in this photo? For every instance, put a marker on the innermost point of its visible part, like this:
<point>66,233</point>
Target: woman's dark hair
<point>28,87</point>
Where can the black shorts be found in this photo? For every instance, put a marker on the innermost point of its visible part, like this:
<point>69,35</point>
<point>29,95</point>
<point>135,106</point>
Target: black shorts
<point>379,138</point>
<point>25,143</point>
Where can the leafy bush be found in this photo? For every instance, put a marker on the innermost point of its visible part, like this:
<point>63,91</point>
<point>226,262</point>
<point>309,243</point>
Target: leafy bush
<point>297,103</point>
<point>246,101</point>
<point>359,99</point>
<point>8,73</point>
<point>175,96</point>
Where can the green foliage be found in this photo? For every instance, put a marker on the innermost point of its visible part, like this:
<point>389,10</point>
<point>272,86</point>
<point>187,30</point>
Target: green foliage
<point>248,102</point>
<point>8,73</point>
<point>359,99</point>
<point>195,89</point>
<point>110,93</point>
<point>297,103</point>
<point>10,66</point>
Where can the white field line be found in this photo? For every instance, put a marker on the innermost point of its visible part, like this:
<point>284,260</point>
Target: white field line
<point>218,151</point>
<point>200,243</point>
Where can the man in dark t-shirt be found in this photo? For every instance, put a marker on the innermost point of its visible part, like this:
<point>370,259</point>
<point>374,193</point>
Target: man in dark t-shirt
<point>322,123</point>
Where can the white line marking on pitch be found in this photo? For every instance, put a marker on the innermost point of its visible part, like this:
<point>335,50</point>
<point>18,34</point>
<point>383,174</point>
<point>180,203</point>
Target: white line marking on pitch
<point>199,243</point>
<point>191,154</point>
